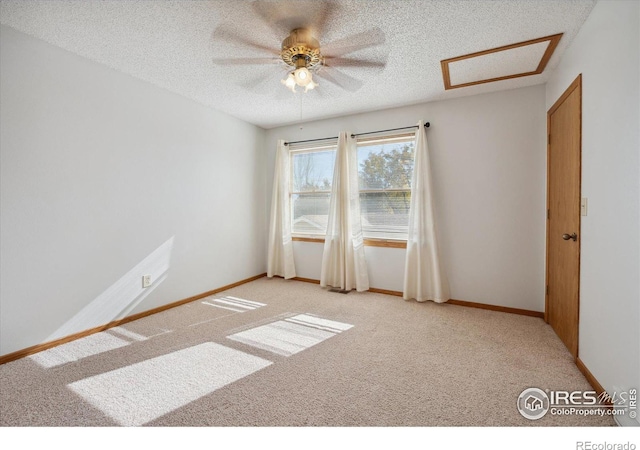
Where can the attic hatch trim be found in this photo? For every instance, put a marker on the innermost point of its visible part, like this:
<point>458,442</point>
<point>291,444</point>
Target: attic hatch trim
<point>553,43</point>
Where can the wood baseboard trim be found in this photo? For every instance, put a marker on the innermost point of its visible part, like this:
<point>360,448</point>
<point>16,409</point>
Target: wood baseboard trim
<point>47,345</point>
<point>386,292</point>
<point>505,309</point>
<point>589,376</point>
<point>307,280</point>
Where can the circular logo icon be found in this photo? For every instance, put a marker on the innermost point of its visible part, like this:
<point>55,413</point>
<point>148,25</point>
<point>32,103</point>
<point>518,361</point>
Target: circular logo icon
<point>533,403</point>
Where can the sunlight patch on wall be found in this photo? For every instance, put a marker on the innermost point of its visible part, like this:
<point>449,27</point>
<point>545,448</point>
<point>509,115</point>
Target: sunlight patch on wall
<point>139,393</point>
<point>122,296</point>
<point>291,335</point>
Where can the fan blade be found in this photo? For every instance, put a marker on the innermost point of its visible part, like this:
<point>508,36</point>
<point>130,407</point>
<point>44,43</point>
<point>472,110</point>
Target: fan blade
<point>322,18</point>
<point>244,61</point>
<point>233,37</point>
<point>352,62</point>
<point>284,16</point>
<point>370,38</point>
<point>340,79</point>
<point>320,93</point>
<point>271,14</point>
<point>266,83</point>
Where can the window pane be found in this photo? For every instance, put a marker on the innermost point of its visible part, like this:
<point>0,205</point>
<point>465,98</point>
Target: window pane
<point>313,171</point>
<point>385,214</point>
<point>385,165</point>
<point>310,213</point>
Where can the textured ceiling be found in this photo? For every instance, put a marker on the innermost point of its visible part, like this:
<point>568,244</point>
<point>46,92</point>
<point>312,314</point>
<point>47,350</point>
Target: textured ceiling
<point>173,44</point>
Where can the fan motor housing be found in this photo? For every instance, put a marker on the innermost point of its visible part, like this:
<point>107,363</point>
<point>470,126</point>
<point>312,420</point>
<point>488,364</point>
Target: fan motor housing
<point>301,49</point>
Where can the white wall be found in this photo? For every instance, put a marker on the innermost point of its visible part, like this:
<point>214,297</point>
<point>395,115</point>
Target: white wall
<point>98,171</point>
<point>488,154</point>
<point>606,53</point>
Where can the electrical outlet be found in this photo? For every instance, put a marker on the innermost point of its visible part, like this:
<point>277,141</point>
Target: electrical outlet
<point>146,281</point>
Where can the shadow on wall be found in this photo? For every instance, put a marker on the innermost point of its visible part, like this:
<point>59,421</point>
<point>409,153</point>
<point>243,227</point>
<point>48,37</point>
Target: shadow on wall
<point>122,296</point>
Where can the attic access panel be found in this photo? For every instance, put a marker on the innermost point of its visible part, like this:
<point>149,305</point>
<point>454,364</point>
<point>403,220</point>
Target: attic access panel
<point>501,63</point>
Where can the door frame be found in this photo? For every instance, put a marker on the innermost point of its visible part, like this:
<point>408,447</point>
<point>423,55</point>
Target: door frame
<point>576,84</point>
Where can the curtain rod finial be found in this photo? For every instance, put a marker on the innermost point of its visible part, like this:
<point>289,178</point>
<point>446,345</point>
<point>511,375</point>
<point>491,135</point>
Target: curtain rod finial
<point>427,124</point>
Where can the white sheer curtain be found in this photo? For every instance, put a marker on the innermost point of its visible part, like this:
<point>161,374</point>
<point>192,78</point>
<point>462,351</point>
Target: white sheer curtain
<point>343,262</point>
<point>280,257</point>
<point>424,275</point>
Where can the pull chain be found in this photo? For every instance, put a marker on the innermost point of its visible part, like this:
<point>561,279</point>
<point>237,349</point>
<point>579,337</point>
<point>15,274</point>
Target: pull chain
<point>301,110</point>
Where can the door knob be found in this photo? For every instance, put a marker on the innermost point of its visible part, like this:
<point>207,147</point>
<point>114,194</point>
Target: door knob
<point>573,236</point>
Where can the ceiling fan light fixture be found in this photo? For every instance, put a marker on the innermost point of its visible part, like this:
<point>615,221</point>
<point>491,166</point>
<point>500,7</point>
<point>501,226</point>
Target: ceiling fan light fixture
<point>311,85</point>
<point>302,76</point>
<point>301,51</point>
<point>290,82</point>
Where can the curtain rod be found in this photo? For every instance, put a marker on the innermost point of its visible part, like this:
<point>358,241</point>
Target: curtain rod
<point>426,124</point>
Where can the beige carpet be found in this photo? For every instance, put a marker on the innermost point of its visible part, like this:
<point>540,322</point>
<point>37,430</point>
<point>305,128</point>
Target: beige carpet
<point>288,353</point>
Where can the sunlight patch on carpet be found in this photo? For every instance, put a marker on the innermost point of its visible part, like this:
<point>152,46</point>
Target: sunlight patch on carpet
<point>291,335</point>
<point>81,348</point>
<point>140,330</point>
<point>128,334</point>
<point>139,393</point>
<point>320,323</point>
<point>233,304</point>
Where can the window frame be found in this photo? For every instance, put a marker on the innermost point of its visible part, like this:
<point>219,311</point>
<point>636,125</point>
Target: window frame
<point>389,242</point>
<point>329,144</point>
<point>384,139</point>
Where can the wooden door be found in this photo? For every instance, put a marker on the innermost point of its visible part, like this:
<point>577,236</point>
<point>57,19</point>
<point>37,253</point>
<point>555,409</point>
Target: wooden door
<point>564,125</point>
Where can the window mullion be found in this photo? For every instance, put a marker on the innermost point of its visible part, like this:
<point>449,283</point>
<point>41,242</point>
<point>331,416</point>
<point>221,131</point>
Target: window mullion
<point>384,211</point>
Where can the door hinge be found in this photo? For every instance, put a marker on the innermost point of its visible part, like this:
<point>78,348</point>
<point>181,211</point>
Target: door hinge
<point>547,289</point>
<point>549,139</point>
<point>548,214</point>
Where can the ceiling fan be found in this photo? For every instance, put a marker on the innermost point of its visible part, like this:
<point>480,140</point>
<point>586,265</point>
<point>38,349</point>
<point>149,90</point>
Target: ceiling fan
<point>301,56</point>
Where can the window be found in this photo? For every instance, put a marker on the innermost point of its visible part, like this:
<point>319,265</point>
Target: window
<point>311,179</point>
<point>385,167</point>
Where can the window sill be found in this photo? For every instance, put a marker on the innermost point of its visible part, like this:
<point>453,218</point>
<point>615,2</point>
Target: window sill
<point>388,243</point>
<point>369,242</point>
